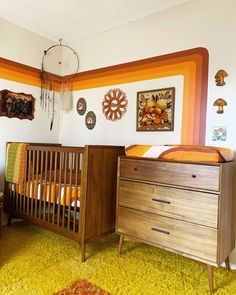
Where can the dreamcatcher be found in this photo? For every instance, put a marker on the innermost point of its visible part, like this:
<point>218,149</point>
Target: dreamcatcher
<point>59,65</point>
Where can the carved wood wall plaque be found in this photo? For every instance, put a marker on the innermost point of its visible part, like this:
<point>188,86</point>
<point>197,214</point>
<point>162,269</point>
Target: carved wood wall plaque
<point>17,105</point>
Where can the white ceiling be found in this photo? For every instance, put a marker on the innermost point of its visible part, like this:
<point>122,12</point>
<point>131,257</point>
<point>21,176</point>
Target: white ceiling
<point>73,20</point>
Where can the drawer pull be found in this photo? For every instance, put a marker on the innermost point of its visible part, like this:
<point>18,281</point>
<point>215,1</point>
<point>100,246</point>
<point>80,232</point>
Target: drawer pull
<point>161,201</point>
<point>160,230</point>
<point>135,169</point>
<point>194,176</point>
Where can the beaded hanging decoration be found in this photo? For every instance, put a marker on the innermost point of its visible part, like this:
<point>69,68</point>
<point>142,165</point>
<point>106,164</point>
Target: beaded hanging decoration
<point>49,80</point>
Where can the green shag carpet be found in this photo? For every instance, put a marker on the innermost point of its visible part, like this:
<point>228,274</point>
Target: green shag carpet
<point>35,261</point>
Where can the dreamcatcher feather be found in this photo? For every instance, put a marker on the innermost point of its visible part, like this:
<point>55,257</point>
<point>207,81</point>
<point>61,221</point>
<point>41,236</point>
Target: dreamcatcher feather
<point>54,61</point>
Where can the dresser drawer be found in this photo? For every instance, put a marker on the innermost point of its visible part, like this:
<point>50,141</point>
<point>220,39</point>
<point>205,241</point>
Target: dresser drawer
<point>197,207</point>
<point>192,239</point>
<point>182,174</point>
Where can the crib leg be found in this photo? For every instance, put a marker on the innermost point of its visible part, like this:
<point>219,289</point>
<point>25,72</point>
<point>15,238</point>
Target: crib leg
<point>9,220</point>
<point>83,252</point>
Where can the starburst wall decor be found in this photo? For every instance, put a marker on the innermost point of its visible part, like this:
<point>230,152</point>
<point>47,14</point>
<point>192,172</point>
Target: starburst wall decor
<point>114,104</point>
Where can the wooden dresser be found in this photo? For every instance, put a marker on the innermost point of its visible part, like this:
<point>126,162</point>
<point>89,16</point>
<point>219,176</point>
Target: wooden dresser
<point>186,208</point>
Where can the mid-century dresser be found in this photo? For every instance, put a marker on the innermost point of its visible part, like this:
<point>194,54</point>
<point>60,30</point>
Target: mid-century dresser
<point>183,207</point>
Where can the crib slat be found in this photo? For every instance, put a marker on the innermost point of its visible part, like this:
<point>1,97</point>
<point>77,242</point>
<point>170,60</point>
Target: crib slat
<point>76,188</point>
<point>33,185</point>
<point>55,188</point>
<point>37,183</point>
<point>29,180</point>
<point>10,194</point>
<point>41,183</point>
<point>70,189</point>
<point>16,195</point>
<point>59,190</point>
<point>25,182</point>
<point>20,188</point>
<point>64,197</point>
<point>45,186</point>
<point>50,186</point>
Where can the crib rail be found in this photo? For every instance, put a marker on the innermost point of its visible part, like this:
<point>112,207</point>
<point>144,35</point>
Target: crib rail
<point>51,189</point>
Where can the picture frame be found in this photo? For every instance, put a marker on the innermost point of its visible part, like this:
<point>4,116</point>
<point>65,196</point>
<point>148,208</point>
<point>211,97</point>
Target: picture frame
<point>219,133</point>
<point>17,105</point>
<point>155,109</point>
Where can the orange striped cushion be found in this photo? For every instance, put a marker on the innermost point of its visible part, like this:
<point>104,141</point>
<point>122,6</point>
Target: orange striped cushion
<point>193,153</point>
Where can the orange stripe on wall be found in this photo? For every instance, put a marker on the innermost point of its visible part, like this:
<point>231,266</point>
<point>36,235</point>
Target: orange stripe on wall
<point>192,64</point>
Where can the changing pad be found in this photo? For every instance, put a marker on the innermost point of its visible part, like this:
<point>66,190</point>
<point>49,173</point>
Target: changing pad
<point>193,153</point>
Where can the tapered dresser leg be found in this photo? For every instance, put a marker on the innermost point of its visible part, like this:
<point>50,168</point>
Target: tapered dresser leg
<point>83,252</point>
<point>121,243</point>
<point>210,278</point>
<point>227,264</point>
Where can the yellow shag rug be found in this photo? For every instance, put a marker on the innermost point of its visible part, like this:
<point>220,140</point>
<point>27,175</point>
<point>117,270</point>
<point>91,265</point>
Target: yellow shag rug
<point>35,261</point>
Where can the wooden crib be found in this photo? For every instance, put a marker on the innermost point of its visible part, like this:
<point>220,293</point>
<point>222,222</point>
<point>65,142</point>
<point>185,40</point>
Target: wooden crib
<point>69,190</point>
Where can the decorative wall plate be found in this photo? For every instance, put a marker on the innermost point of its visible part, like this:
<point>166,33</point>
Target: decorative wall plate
<point>90,120</point>
<point>81,106</point>
<point>114,104</point>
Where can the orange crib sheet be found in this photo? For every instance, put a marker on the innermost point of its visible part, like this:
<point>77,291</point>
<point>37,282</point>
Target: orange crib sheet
<point>54,193</point>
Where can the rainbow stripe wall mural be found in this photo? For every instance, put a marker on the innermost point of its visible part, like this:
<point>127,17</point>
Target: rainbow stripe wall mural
<point>192,64</point>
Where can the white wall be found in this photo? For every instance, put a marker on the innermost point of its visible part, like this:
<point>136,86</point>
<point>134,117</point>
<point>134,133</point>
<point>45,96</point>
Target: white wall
<point>21,45</point>
<point>121,131</point>
<point>25,47</point>
<point>198,23</point>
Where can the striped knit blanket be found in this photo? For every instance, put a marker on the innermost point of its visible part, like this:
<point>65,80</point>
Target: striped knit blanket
<point>15,162</point>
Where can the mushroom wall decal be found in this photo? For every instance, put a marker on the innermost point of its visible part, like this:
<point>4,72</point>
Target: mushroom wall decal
<point>220,103</point>
<point>219,77</point>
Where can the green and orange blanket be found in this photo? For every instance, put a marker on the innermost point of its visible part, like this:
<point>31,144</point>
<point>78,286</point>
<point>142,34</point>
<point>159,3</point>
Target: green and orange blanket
<point>15,162</point>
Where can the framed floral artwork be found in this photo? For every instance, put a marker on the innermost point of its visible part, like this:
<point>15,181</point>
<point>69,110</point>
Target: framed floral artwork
<point>155,110</point>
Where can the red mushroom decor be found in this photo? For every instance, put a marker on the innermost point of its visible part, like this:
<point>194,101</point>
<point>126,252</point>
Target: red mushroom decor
<point>114,104</point>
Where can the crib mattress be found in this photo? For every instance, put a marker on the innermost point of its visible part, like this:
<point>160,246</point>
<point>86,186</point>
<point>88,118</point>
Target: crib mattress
<point>193,153</point>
